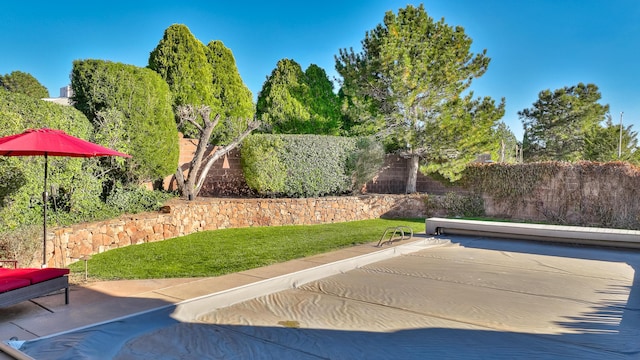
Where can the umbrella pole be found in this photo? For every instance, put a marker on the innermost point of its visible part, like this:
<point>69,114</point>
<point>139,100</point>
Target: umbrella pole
<point>44,207</point>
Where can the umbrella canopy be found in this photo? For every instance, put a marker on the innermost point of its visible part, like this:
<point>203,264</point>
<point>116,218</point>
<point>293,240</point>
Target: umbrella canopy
<point>49,142</point>
<point>40,142</point>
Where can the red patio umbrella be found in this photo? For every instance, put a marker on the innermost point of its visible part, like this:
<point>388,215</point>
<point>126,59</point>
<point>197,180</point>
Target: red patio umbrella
<point>49,142</point>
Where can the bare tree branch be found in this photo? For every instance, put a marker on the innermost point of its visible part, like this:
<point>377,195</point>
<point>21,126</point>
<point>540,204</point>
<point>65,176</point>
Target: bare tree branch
<point>191,114</point>
<point>213,157</point>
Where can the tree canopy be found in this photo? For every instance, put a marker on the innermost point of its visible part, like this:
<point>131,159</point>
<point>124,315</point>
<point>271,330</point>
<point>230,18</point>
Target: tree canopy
<point>24,83</point>
<point>407,85</point>
<point>236,107</point>
<point>505,146</point>
<point>203,75</point>
<point>131,107</point>
<point>560,121</point>
<point>181,61</point>
<point>605,143</point>
<point>295,102</point>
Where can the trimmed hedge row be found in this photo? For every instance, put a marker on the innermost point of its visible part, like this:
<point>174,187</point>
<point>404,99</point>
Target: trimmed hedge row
<point>299,165</point>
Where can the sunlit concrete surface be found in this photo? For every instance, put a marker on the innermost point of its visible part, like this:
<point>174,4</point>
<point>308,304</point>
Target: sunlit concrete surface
<point>466,298</point>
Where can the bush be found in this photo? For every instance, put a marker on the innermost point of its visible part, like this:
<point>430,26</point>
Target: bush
<point>263,170</point>
<point>23,245</point>
<point>131,108</point>
<point>135,199</point>
<point>455,205</point>
<point>79,182</point>
<point>22,177</point>
<point>365,162</point>
<point>298,165</point>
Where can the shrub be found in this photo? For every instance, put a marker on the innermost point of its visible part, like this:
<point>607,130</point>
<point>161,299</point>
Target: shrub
<point>262,168</point>
<point>311,165</point>
<point>455,205</point>
<point>132,107</point>
<point>135,199</point>
<point>365,162</point>
<point>23,245</point>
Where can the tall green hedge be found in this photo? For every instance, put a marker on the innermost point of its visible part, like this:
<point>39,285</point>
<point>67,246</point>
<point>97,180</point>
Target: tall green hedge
<point>298,165</point>
<point>24,83</point>
<point>21,178</point>
<point>134,105</point>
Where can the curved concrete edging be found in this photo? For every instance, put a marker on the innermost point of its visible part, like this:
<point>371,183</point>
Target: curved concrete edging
<point>540,232</point>
<point>190,309</point>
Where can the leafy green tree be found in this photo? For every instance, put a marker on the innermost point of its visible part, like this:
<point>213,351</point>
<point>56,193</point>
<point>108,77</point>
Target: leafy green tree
<point>295,102</point>
<point>24,83</point>
<point>603,143</point>
<point>181,60</point>
<point>505,147</point>
<point>407,86</point>
<point>236,107</point>
<point>463,131</point>
<point>279,104</point>
<point>323,103</point>
<point>135,104</point>
<point>558,124</point>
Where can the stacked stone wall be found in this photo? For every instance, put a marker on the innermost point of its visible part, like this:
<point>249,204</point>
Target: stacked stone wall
<point>69,244</point>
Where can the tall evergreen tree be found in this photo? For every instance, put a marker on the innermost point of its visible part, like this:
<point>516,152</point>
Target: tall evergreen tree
<point>407,86</point>
<point>200,75</point>
<point>181,60</point>
<point>295,102</point>
<point>558,124</point>
<point>322,101</point>
<point>280,107</point>
<point>24,83</point>
<point>604,143</point>
<point>235,99</point>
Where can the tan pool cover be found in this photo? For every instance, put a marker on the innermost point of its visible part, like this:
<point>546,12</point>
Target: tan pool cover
<point>475,299</point>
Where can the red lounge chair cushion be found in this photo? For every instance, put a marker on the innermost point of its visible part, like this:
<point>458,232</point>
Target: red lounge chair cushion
<point>35,275</point>
<point>7,283</point>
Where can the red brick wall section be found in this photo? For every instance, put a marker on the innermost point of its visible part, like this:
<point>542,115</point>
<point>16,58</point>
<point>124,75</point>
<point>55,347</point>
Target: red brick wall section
<point>179,218</point>
<point>392,179</point>
<point>226,178</point>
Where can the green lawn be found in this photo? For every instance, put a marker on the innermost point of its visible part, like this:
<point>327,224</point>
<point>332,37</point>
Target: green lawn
<point>219,252</point>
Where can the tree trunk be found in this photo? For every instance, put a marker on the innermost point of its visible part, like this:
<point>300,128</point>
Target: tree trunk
<point>412,173</point>
<point>190,187</point>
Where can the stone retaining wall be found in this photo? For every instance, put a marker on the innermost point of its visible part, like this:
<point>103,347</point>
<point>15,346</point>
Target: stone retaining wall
<point>69,244</point>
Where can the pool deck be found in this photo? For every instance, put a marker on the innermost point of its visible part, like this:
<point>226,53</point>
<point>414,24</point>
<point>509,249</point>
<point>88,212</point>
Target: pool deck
<point>97,302</point>
<point>457,296</point>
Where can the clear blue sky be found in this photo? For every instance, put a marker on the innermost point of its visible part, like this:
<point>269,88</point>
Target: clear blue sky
<point>534,45</point>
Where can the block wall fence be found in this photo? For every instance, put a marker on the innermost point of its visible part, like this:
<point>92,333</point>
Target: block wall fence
<point>226,178</point>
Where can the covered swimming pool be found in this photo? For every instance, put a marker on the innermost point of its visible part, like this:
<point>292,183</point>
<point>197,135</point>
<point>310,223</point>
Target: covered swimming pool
<point>470,297</point>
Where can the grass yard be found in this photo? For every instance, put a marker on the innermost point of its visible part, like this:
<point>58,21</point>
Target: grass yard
<point>219,252</point>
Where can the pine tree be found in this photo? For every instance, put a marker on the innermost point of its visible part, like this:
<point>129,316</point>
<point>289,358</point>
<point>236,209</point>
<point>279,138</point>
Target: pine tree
<point>407,85</point>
